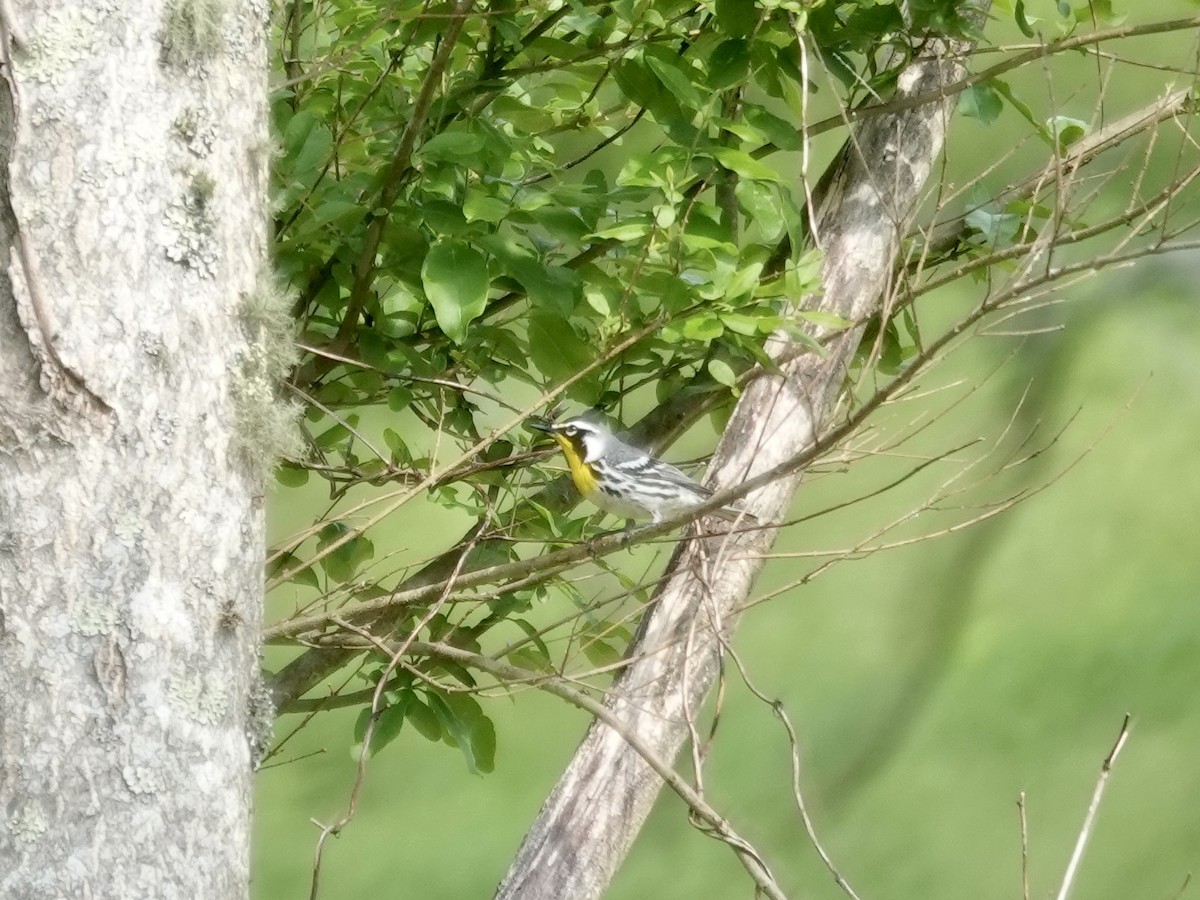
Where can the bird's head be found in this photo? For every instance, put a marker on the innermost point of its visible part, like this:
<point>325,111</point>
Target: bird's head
<point>580,438</point>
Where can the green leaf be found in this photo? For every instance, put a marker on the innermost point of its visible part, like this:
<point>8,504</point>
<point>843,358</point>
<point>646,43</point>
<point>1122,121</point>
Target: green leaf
<point>600,654</point>
<point>1004,90</point>
<point>482,208</point>
<point>997,227</point>
<point>981,101</point>
<point>528,658</point>
<point>464,731</point>
<point>424,719</point>
<point>307,143</point>
<point>387,726</point>
<point>1022,22</point>
<point>891,355</point>
<point>337,212</point>
<point>638,83</point>
<point>286,562</point>
<point>396,444</point>
<point>550,288</point>
<point>399,398</point>
<point>744,164</point>
<point>824,319</point>
<point>536,656</point>
<point>742,324</point>
<point>555,348</point>
<point>1103,12</point>
<point>482,731</point>
<point>455,277</point>
<point>782,133</point>
<point>627,231</point>
<point>762,204</point>
<point>722,372</point>
<point>744,280</point>
<point>483,742</point>
<point>737,17</point>
<point>672,73</point>
<point>704,327</point>
<point>453,146</point>
<point>729,64</point>
<point>291,476</point>
<point>342,564</point>
<point>1066,131</point>
<point>458,671</point>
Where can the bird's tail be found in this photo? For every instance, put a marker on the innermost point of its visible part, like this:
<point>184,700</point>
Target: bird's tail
<point>735,514</point>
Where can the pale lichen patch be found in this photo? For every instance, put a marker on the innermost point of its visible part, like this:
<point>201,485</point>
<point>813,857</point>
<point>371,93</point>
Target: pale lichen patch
<point>28,823</point>
<point>146,779</point>
<point>200,699</point>
<point>196,129</point>
<point>188,228</point>
<point>63,39</point>
<point>192,31</point>
<point>93,617</point>
<point>265,423</point>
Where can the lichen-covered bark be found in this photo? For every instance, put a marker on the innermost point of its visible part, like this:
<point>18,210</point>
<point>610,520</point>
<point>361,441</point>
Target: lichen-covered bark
<point>132,226</point>
<point>591,818</point>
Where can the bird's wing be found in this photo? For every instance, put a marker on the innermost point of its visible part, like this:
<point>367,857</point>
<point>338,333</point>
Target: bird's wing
<point>683,478</point>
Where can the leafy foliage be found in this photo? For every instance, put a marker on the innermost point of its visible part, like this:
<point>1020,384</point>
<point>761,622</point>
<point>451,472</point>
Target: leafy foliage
<point>483,210</point>
<point>581,174</point>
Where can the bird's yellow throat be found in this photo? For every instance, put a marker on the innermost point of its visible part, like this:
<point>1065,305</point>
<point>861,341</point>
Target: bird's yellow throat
<point>581,474</point>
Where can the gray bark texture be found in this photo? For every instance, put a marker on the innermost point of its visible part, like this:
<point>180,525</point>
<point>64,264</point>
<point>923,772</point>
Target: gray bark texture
<point>593,814</point>
<point>133,161</point>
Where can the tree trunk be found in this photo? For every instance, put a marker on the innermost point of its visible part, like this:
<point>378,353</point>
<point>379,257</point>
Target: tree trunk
<point>132,212</point>
<point>591,818</point>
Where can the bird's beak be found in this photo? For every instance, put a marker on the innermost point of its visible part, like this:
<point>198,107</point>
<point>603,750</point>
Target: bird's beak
<point>542,425</point>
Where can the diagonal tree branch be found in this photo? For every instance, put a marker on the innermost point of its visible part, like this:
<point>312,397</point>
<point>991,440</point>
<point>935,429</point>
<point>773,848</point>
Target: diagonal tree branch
<point>591,818</point>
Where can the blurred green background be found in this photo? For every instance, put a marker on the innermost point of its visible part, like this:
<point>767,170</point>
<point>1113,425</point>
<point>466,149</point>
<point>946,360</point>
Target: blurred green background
<point>930,684</point>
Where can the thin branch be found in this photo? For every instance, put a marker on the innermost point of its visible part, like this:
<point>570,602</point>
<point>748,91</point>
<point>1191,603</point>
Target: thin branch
<point>1086,831</point>
<point>797,795</point>
<point>1024,846</point>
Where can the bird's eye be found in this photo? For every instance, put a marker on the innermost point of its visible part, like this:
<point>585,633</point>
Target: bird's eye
<point>570,431</point>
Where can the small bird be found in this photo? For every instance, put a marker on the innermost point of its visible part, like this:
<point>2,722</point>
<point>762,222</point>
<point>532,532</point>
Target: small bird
<point>623,480</point>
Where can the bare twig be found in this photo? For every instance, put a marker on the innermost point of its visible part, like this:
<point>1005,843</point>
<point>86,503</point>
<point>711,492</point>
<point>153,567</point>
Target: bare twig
<point>1086,831</point>
<point>797,795</point>
<point>1024,847</point>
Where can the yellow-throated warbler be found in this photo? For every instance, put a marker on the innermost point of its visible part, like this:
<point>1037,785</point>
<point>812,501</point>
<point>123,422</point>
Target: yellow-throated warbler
<point>623,480</point>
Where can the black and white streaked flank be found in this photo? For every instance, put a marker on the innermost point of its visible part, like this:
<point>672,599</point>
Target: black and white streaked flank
<point>623,480</point>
